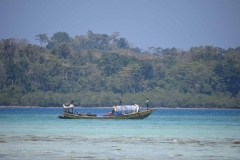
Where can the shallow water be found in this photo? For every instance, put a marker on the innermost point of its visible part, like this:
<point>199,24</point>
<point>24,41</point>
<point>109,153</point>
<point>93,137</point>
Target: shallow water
<point>37,133</point>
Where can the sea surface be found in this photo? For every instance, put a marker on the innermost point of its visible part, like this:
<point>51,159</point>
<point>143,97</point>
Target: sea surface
<point>37,133</point>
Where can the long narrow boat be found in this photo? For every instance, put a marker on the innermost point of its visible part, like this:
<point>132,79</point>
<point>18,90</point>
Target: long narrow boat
<point>133,115</point>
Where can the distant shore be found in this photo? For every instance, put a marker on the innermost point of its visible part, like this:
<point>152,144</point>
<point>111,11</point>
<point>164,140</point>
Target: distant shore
<point>111,107</point>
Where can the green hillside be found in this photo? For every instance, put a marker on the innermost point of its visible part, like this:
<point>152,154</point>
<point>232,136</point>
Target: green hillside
<point>95,69</point>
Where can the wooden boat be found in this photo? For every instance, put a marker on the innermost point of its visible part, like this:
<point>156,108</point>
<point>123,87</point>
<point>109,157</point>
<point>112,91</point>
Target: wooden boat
<point>69,114</point>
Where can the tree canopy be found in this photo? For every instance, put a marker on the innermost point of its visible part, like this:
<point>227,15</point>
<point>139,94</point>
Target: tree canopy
<point>94,69</point>
<point>43,38</point>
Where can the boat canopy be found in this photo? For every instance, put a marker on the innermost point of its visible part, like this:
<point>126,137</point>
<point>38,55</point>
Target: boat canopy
<point>68,106</point>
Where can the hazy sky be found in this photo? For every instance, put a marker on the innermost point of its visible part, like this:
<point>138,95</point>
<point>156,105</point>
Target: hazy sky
<point>144,23</point>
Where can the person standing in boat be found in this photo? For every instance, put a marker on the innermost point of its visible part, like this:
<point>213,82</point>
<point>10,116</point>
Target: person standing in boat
<point>147,103</point>
<point>120,100</point>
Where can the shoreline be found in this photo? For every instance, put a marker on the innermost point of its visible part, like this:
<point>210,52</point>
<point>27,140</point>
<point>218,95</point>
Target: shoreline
<point>139,107</point>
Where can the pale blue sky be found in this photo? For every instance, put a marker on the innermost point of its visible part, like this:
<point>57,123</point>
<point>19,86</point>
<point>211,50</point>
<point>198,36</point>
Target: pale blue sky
<point>144,23</point>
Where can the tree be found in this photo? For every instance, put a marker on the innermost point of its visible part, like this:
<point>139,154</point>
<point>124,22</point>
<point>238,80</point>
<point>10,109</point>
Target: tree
<point>8,48</point>
<point>3,75</point>
<point>60,37</point>
<point>229,72</point>
<point>43,38</point>
<point>122,43</point>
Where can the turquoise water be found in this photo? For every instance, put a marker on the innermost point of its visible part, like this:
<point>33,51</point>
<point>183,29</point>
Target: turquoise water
<point>37,133</point>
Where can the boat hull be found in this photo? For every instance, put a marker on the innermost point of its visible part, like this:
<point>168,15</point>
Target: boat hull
<point>140,115</point>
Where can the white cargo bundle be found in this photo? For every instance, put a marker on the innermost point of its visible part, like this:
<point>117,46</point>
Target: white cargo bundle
<point>126,109</point>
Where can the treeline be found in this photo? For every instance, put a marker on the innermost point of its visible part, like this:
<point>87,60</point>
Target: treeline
<point>95,69</point>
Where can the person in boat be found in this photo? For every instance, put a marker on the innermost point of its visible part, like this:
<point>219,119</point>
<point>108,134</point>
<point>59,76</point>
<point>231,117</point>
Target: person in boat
<point>147,103</point>
<point>113,110</point>
<point>120,100</point>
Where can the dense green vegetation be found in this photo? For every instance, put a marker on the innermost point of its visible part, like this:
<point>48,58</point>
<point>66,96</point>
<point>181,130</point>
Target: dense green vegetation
<point>94,69</point>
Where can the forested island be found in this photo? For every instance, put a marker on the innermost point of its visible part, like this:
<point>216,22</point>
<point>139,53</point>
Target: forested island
<point>95,69</point>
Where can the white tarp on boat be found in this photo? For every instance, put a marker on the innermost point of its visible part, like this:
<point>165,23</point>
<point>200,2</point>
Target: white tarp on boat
<point>126,109</point>
<point>68,106</point>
